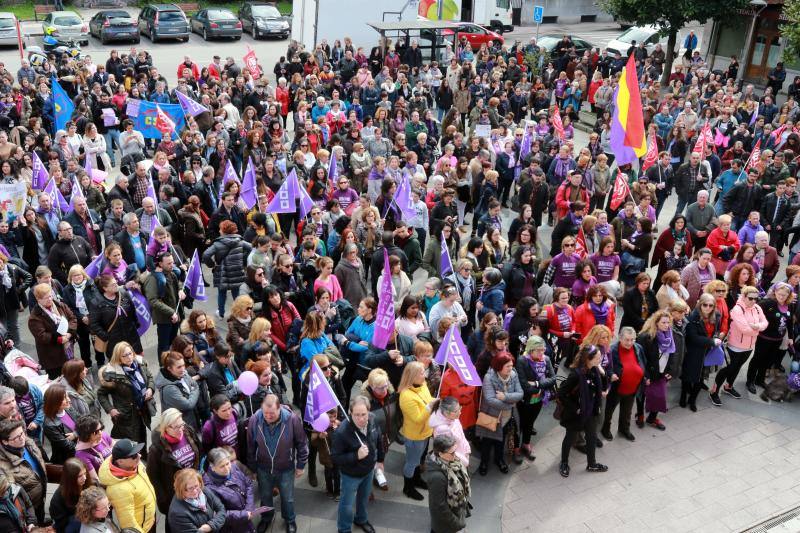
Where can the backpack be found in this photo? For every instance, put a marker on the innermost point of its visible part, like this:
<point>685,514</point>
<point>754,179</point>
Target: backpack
<point>346,312</point>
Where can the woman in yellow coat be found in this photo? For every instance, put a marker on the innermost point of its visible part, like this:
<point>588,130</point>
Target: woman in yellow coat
<point>415,404</point>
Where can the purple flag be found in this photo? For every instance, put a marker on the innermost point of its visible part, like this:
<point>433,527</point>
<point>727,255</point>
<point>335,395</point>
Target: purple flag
<point>284,201</point>
<point>384,320</point>
<point>525,146</point>
<point>321,399</point>
<point>40,174</point>
<point>142,311</point>
<point>95,267</point>
<point>445,264</point>
<point>194,279</point>
<point>249,192</point>
<point>403,197</point>
<point>333,172</point>
<point>56,198</point>
<point>306,203</point>
<point>453,351</point>
<point>281,164</point>
<point>151,191</point>
<point>755,116</point>
<point>87,165</point>
<point>190,106</point>
<point>156,224</point>
<point>230,175</point>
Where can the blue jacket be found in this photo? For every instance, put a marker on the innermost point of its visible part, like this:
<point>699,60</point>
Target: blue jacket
<point>664,124</point>
<point>361,330</point>
<point>728,179</point>
<point>38,403</point>
<point>690,42</point>
<point>311,347</point>
<point>492,300</point>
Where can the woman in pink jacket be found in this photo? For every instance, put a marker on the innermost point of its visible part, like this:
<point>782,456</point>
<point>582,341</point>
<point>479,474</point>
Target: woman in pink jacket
<point>747,321</point>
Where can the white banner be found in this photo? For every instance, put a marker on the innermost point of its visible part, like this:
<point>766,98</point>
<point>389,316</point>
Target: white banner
<point>12,199</point>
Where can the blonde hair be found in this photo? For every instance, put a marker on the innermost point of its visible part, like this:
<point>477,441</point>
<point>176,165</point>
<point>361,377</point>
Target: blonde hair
<point>377,378</point>
<point>715,285</point>
<point>595,334</point>
<point>747,289</point>
<point>41,289</point>
<point>724,219</point>
<point>168,417</point>
<point>412,370</point>
<point>240,304</point>
<point>705,298</point>
<point>77,269</point>
<point>257,328</point>
<point>183,477</point>
<point>650,326</point>
<point>119,349</point>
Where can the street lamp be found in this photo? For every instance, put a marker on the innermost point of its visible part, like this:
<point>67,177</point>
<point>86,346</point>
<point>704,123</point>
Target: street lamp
<point>761,5</point>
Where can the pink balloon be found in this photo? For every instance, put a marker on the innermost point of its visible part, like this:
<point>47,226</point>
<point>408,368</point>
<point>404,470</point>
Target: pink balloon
<point>322,423</point>
<point>248,382</point>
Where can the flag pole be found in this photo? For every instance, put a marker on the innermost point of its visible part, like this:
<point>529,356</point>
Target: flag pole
<point>444,365</point>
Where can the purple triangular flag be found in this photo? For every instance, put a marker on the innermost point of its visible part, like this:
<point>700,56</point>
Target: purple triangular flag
<point>453,351</point>
<point>40,174</point>
<point>95,267</point>
<point>190,106</point>
<point>306,203</point>
<point>249,189</point>
<point>384,319</point>
<point>285,198</point>
<point>229,175</point>
<point>194,279</point>
<point>445,264</point>
<point>320,400</point>
<point>403,198</point>
<point>142,308</point>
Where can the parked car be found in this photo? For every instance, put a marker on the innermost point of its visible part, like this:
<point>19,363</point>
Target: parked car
<point>262,20</point>
<point>114,25</point>
<point>476,35</point>
<point>163,21</point>
<point>216,22</point>
<point>549,43</point>
<point>66,26</point>
<point>8,29</point>
<point>650,37</point>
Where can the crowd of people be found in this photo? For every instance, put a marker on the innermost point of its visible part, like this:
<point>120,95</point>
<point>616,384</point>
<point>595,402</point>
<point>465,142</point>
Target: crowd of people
<point>624,301</point>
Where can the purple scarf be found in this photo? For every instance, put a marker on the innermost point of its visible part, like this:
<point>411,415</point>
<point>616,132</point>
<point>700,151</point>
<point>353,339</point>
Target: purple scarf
<point>603,230</point>
<point>562,167</point>
<point>540,370</point>
<point>600,312</point>
<point>575,220</point>
<point>666,342</point>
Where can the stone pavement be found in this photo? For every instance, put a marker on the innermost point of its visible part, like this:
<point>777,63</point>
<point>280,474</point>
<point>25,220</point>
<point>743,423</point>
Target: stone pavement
<point>720,469</point>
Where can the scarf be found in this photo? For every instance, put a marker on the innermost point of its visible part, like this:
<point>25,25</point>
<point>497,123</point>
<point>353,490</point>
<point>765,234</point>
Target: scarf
<point>575,220</point>
<point>678,235</point>
<point>466,289</point>
<point>562,167</point>
<point>5,278</point>
<point>80,301</point>
<point>603,230</point>
<point>600,312</point>
<point>199,502</point>
<point>8,507</point>
<point>458,489</point>
<point>666,342</point>
<point>136,379</point>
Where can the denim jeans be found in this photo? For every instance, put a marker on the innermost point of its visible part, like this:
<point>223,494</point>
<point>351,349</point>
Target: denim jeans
<point>414,451</point>
<point>165,333</point>
<point>354,490</point>
<point>284,480</point>
<point>112,138</point>
<point>221,299</point>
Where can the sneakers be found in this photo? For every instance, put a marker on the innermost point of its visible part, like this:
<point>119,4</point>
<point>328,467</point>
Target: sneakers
<point>657,424</point>
<point>732,392</point>
<point>715,399</point>
<point>563,469</point>
<point>597,467</point>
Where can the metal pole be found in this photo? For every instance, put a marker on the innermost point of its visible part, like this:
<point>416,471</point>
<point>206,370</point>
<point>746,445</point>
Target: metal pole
<point>537,32</point>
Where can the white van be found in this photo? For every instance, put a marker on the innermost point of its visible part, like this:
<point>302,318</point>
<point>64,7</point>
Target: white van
<point>649,35</point>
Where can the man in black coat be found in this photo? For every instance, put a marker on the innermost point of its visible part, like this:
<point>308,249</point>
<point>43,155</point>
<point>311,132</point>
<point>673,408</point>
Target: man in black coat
<point>743,198</point>
<point>85,223</point>
<point>68,250</point>
<point>775,214</point>
<point>120,191</point>
<point>228,210</point>
<point>413,55</point>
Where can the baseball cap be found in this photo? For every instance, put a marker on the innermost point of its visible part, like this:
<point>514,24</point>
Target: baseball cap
<point>125,448</point>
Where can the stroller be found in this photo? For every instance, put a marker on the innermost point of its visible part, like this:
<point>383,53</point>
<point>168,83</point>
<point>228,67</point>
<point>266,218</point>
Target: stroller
<point>17,363</point>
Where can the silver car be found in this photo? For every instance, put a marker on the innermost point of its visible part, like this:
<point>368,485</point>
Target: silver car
<point>8,29</point>
<point>65,26</point>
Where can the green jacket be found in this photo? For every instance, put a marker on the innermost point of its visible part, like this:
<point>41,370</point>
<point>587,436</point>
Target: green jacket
<point>413,252</point>
<point>162,303</point>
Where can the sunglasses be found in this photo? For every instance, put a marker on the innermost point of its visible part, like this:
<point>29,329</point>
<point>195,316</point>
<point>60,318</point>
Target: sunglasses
<point>324,368</point>
<point>707,305</point>
<point>753,298</point>
<point>248,308</point>
<point>568,245</point>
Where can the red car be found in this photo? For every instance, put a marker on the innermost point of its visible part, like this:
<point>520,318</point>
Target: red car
<point>475,34</point>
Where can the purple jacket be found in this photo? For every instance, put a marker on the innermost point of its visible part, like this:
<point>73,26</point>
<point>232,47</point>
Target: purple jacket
<point>292,443</point>
<point>211,436</point>
<point>236,494</point>
<point>93,457</point>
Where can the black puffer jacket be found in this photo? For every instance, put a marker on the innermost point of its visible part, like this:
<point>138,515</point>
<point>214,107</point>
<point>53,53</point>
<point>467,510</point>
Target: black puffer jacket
<point>124,328</point>
<point>228,257</point>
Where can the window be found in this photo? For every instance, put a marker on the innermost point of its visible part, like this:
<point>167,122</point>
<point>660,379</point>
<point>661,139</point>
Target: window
<point>6,23</point>
<point>503,4</point>
<point>170,16</point>
<point>730,41</point>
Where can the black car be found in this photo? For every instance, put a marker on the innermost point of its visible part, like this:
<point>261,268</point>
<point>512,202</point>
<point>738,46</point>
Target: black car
<point>163,21</point>
<point>114,25</point>
<point>549,42</point>
<point>262,19</point>
<point>216,22</point>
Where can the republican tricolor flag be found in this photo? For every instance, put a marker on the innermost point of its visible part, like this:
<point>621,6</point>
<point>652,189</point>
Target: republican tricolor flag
<point>627,139</point>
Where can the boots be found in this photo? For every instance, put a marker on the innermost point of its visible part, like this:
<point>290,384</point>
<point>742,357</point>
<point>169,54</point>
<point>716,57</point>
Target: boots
<point>682,401</point>
<point>418,481</point>
<point>312,474</point>
<point>410,491</point>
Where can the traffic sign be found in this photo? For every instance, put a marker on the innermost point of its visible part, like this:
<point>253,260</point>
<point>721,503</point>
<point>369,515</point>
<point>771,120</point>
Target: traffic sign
<point>538,14</point>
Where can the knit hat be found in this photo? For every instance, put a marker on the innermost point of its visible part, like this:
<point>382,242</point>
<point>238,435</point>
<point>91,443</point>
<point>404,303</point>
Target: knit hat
<point>534,342</point>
